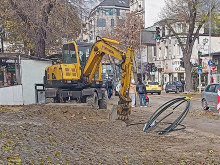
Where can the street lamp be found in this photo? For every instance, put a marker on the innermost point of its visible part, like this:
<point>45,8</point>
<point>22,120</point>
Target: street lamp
<point>1,35</point>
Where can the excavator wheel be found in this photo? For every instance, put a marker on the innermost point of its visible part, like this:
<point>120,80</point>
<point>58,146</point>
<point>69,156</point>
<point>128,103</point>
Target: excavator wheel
<point>93,101</point>
<point>103,102</point>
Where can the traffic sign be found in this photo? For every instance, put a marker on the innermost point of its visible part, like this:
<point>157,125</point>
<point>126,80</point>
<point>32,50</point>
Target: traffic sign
<point>210,62</point>
<point>199,71</point>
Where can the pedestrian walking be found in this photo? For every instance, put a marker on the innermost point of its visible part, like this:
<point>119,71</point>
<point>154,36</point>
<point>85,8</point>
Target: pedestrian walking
<point>141,90</point>
<point>132,92</point>
<point>109,88</point>
<point>183,82</point>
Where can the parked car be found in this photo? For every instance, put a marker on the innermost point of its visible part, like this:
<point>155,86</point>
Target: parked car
<point>152,87</point>
<point>175,86</point>
<point>209,96</point>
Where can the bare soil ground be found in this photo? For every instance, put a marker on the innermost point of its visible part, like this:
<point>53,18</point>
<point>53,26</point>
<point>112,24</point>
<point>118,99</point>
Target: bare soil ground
<point>77,135</point>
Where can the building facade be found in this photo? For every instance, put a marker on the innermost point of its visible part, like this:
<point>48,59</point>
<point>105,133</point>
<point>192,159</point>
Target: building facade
<point>169,54</point>
<point>104,17</point>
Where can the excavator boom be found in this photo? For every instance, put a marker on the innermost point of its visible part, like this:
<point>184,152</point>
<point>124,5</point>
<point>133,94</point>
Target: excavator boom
<point>105,46</point>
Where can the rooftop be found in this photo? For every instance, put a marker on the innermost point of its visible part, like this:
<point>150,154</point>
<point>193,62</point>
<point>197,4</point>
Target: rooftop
<point>118,3</point>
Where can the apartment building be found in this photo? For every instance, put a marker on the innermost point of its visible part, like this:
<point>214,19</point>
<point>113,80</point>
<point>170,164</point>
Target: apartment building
<point>104,17</point>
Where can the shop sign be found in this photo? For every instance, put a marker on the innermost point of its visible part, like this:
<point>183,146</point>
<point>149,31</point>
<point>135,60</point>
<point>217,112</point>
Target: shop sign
<point>173,66</point>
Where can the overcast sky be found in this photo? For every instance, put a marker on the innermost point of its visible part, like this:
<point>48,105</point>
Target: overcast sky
<point>152,11</point>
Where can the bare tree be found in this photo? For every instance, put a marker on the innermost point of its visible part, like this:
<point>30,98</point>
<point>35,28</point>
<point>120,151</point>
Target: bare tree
<point>41,24</point>
<point>194,14</point>
<point>127,31</point>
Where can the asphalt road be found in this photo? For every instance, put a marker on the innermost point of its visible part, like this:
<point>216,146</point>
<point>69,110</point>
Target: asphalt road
<point>158,100</point>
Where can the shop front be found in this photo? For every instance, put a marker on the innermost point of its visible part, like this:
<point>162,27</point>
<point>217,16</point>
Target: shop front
<point>173,71</point>
<point>8,73</point>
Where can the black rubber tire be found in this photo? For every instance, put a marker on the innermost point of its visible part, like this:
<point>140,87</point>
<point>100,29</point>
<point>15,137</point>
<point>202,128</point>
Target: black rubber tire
<point>152,93</point>
<point>204,105</point>
<point>159,93</point>
<point>167,92</point>
<point>103,102</point>
<point>93,101</point>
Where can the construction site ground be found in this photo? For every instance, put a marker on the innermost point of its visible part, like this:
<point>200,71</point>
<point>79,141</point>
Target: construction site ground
<point>73,134</point>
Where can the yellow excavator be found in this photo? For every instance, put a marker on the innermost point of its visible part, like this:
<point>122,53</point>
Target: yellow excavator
<point>78,76</point>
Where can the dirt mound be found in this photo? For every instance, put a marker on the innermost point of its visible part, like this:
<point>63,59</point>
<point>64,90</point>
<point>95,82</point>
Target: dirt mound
<point>64,113</point>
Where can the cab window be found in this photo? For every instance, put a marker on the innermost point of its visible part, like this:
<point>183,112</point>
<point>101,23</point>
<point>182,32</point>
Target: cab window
<point>69,54</point>
<point>84,52</point>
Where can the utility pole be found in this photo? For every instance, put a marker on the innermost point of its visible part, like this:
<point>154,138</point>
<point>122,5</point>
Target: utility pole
<point>140,52</point>
<point>81,26</point>
<point>210,30</point>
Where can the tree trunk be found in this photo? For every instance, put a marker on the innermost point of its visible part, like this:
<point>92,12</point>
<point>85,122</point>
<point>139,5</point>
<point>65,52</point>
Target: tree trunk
<point>40,43</point>
<point>187,66</point>
<point>134,69</point>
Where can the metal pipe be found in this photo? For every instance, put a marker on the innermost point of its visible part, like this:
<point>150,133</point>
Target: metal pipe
<point>140,52</point>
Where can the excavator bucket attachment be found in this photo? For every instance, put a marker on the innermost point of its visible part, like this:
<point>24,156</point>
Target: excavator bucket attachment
<point>121,111</point>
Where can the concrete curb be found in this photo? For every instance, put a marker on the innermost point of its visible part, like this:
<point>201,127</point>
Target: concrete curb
<point>216,114</point>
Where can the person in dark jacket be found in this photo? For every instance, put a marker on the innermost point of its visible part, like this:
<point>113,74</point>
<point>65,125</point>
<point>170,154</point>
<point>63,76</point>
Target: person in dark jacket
<point>141,90</point>
<point>109,86</point>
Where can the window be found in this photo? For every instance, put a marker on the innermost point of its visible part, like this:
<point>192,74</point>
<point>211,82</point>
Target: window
<point>211,88</point>
<point>163,31</point>
<point>108,11</point>
<point>84,52</point>
<point>154,51</point>
<point>69,54</point>
<point>118,12</point>
<point>112,22</point>
<point>170,83</point>
<point>101,22</point>
<point>153,83</point>
<point>153,35</point>
<point>216,89</point>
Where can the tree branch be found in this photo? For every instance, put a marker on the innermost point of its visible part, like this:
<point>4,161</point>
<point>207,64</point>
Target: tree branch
<point>23,17</point>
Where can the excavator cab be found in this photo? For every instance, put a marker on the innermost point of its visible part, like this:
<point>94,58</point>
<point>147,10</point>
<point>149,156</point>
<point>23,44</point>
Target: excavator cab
<point>69,73</point>
<point>78,52</point>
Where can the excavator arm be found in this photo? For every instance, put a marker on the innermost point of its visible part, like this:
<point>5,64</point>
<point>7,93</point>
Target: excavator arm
<point>105,46</point>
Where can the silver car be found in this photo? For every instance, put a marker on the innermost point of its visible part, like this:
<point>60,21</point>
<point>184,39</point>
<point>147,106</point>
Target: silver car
<point>209,96</point>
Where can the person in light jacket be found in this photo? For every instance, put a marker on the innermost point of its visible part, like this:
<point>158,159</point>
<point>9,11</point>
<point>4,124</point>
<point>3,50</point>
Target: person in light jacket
<point>132,92</point>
